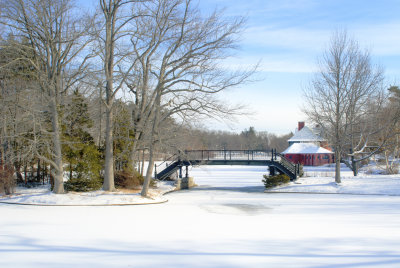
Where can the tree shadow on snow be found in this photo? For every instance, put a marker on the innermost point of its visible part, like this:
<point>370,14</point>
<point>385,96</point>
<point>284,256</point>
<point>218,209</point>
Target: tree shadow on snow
<point>310,250</point>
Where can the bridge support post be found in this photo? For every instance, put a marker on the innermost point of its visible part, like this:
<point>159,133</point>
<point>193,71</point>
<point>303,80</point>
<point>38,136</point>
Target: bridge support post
<point>271,171</point>
<point>187,172</point>
<point>180,172</point>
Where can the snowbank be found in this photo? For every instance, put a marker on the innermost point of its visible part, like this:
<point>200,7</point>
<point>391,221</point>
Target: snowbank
<point>43,196</point>
<point>381,184</point>
<point>321,180</point>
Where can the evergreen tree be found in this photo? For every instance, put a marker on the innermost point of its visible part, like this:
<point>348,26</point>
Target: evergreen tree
<point>79,149</point>
<point>123,137</point>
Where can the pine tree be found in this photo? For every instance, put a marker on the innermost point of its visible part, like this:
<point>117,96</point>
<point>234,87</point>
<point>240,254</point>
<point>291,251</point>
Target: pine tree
<point>79,149</point>
<point>123,137</point>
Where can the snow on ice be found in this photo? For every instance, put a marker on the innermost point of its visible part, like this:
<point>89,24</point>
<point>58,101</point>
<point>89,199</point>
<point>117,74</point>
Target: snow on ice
<point>227,221</point>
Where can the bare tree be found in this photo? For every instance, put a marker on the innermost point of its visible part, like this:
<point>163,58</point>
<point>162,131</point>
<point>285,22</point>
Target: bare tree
<point>114,54</point>
<point>178,56</point>
<point>390,116</point>
<point>57,36</point>
<point>340,95</point>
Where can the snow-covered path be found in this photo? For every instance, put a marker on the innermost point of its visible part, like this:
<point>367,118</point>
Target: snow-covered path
<point>222,223</point>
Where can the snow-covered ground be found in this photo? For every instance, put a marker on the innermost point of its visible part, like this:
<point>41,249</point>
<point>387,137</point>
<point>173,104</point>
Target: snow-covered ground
<point>43,196</point>
<point>227,221</point>
<point>321,180</point>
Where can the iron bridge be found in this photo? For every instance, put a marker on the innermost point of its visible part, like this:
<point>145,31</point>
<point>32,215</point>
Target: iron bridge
<point>276,162</point>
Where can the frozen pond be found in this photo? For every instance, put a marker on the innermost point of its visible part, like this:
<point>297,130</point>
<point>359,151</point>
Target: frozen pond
<point>225,222</point>
<point>229,177</point>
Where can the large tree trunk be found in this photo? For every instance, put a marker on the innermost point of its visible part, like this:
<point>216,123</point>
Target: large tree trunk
<point>146,183</point>
<point>109,8</point>
<point>337,167</point>
<point>108,184</point>
<point>354,166</point>
<point>59,169</point>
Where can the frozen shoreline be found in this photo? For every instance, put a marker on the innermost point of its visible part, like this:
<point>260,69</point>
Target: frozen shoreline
<point>217,177</point>
<point>42,196</point>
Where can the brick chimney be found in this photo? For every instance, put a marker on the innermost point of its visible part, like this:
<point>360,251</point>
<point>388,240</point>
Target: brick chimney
<point>300,125</point>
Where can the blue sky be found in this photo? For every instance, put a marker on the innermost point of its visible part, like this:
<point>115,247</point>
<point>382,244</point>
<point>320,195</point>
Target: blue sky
<point>288,36</point>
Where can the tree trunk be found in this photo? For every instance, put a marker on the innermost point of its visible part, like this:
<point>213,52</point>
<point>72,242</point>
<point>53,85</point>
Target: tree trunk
<point>32,172</point>
<point>337,167</point>
<point>59,169</point>
<point>38,171</point>
<point>149,173</point>
<point>25,174</point>
<point>354,165</point>
<point>110,18</point>
<point>45,174</point>
<point>146,183</point>
<point>108,184</point>
<point>70,170</point>
<point>142,169</point>
<point>18,173</point>
<point>387,162</point>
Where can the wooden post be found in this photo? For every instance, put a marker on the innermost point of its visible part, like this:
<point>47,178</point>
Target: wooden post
<point>271,170</point>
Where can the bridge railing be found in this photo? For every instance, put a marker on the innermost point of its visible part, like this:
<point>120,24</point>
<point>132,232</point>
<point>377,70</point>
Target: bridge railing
<point>227,155</point>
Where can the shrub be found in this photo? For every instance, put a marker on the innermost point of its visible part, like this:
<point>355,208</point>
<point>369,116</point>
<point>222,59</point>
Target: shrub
<point>128,179</point>
<point>82,185</point>
<point>273,181</point>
